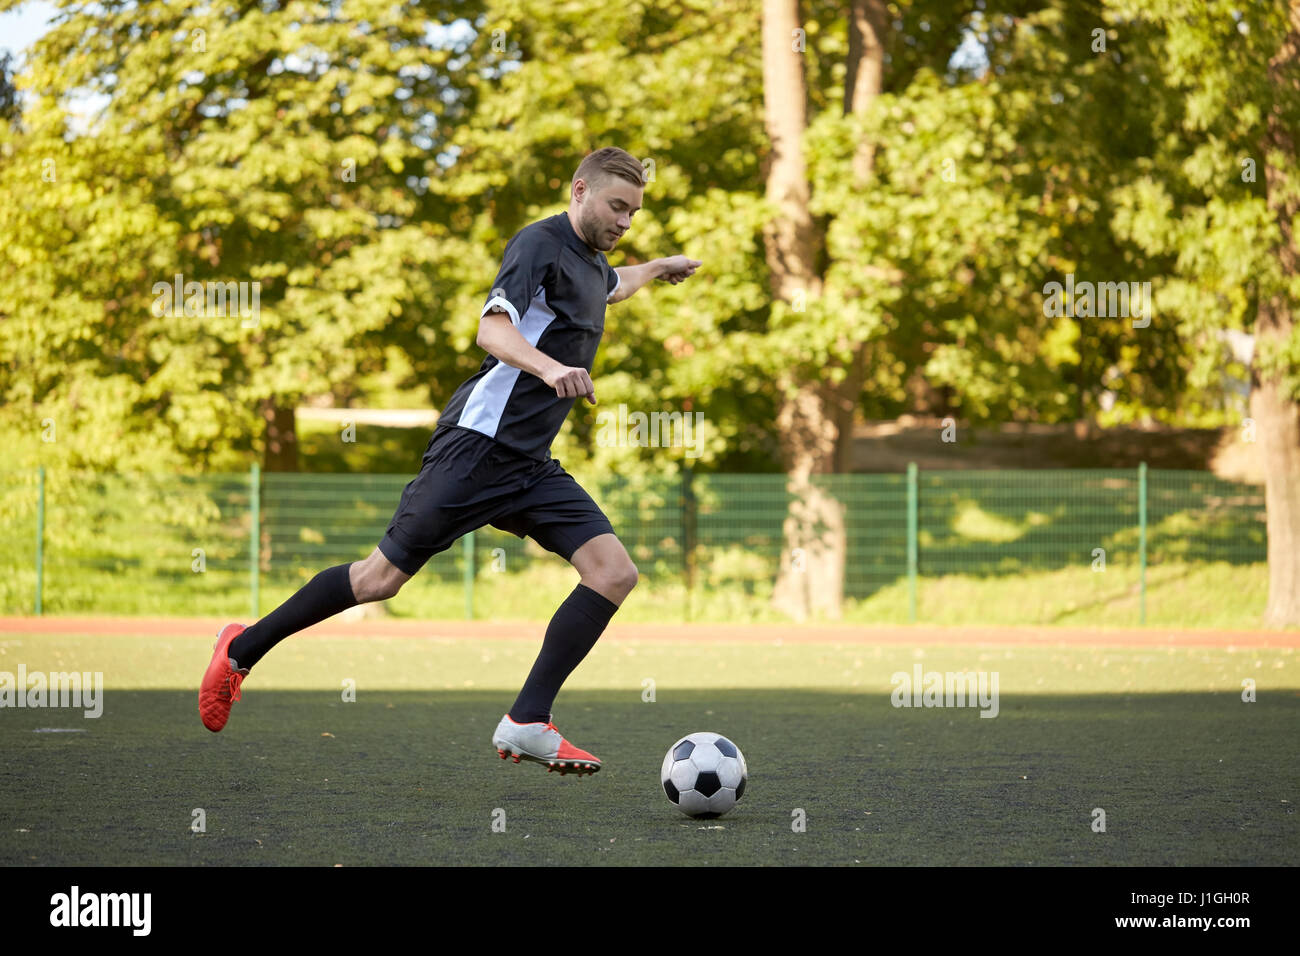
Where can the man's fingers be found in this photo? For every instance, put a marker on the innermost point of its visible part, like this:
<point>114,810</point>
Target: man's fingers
<point>575,384</point>
<point>689,270</point>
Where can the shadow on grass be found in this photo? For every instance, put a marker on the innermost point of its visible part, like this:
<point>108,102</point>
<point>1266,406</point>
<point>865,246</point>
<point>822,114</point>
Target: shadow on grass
<point>398,777</point>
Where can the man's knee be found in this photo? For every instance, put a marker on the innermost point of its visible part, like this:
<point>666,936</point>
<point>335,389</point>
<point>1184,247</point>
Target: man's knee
<point>605,565</point>
<point>377,590</point>
<point>621,576</point>
<point>376,579</point>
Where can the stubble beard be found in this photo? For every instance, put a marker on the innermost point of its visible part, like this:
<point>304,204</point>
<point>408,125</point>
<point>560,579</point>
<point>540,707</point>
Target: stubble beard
<point>592,229</point>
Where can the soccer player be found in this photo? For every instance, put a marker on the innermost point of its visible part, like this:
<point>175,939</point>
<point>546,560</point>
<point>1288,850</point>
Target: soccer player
<point>489,460</point>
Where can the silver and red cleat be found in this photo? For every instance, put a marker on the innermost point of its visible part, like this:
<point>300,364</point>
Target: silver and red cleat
<point>542,743</point>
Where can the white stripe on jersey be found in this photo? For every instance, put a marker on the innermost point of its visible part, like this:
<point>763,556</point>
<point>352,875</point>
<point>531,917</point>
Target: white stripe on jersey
<point>497,300</point>
<point>487,402</point>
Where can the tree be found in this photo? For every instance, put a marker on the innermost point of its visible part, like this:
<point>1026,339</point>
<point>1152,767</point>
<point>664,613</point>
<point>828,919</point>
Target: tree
<point>10,108</point>
<point>281,152</point>
<point>1220,197</point>
<point>833,300</point>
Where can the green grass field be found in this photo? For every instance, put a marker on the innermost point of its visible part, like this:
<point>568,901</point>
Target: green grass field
<point>1160,739</point>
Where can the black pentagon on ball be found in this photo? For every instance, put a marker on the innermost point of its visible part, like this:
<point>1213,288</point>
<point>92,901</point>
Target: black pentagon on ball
<point>671,791</point>
<point>683,749</point>
<point>726,746</point>
<point>707,783</point>
<point>740,791</point>
<point>705,816</point>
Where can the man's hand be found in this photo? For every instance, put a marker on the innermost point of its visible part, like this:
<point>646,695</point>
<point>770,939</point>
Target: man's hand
<point>570,382</point>
<point>678,268</point>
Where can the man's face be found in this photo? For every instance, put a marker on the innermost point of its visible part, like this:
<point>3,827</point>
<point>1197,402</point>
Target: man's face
<point>604,216</point>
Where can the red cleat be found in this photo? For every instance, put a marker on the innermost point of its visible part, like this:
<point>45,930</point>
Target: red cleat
<point>221,682</point>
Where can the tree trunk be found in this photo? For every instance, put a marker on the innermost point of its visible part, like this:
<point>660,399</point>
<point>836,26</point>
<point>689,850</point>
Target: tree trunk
<point>1278,431</point>
<point>865,74</point>
<point>812,557</point>
<point>815,419</point>
<point>281,452</point>
<point>811,578</point>
<point>846,409</point>
<point>788,238</point>
<point>864,81</point>
<point>1276,413</point>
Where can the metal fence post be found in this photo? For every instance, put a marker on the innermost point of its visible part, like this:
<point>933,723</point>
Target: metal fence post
<point>688,533</point>
<point>254,537</point>
<point>467,551</point>
<point>911,541</point>
<point>1142,543</point>
<point>40,536</point>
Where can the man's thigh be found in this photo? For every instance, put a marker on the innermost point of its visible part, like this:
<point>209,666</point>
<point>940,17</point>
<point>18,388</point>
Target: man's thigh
<point>466,480</point>
<point>557,513</point>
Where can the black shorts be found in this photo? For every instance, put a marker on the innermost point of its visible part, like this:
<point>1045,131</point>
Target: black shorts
<point>469,480</point>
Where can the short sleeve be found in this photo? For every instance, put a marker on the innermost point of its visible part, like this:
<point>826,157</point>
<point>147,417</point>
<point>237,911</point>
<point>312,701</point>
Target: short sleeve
<point>524,269</point>
<point>612,284</point>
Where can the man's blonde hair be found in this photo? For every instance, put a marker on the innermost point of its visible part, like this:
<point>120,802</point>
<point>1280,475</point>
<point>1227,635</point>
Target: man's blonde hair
<point>599,168</point>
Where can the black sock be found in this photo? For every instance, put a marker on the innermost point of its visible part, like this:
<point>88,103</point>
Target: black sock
<point>323,596</point>
<point>572,633</point>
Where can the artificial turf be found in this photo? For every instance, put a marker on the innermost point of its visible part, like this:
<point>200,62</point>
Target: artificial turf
<point>1186,772</point>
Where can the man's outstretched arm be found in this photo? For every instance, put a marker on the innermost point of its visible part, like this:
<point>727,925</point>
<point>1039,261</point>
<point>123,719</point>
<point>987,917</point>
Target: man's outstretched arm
<point>673,269</point>
<point>500,338</point>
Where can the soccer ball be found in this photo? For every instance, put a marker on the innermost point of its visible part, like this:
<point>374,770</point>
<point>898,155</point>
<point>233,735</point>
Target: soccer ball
<point>704,775</point>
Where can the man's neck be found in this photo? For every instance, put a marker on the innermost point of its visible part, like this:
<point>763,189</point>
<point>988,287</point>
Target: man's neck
<point>577,232</point>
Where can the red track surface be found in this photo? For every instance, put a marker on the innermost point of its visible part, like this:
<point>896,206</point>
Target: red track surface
<point>762,633</point>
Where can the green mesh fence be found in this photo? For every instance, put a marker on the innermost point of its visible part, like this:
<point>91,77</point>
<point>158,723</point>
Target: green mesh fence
<point>126,544</point>
<point>1047,546</point>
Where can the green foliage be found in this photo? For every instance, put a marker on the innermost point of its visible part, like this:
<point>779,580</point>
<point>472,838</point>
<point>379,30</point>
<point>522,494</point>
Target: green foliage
<point>366,167</point>
<point>1200,198</point>
<point>237,146</point>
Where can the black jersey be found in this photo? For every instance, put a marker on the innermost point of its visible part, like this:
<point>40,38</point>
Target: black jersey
<point>554,288</point>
